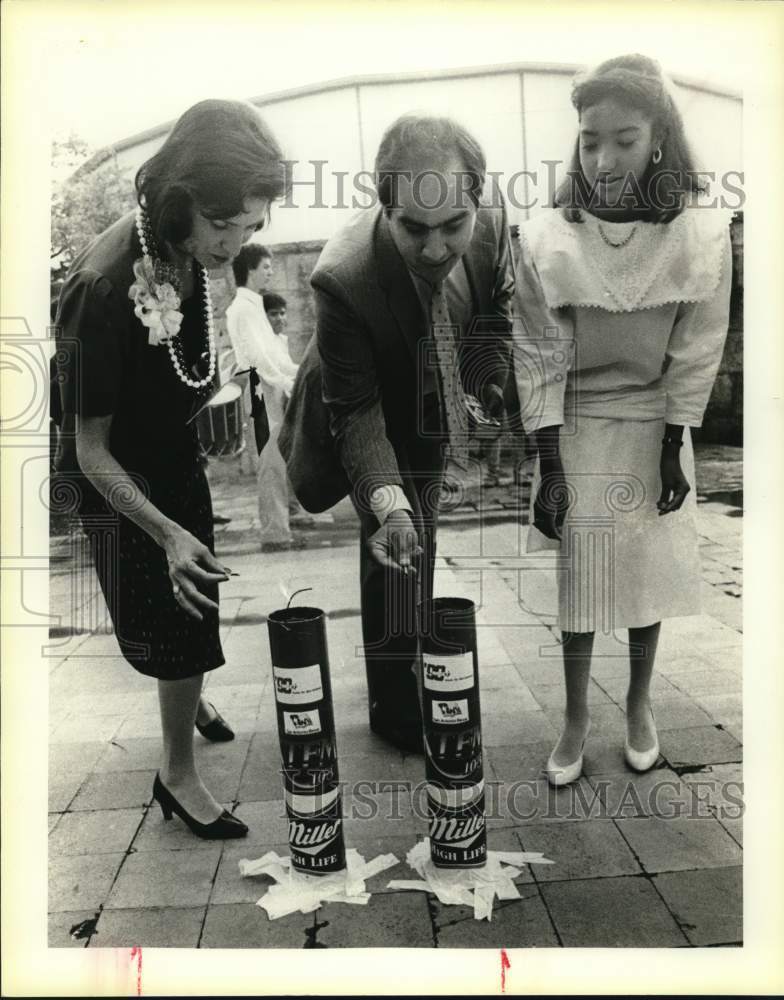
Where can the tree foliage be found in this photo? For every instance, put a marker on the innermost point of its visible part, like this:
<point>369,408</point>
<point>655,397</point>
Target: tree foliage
<point>86,199</point>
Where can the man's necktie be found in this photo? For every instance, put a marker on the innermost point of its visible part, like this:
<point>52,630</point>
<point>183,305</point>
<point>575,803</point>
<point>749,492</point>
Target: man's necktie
<point>452,396</point>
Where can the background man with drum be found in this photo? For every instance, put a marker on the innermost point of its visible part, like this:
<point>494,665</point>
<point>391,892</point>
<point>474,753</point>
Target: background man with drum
<point>256,347</point>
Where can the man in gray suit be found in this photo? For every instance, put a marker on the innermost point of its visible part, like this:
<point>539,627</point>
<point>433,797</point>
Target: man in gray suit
<point>413,302</point>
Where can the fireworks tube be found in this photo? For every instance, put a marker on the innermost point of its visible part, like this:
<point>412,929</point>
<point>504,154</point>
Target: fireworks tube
<point>306,729</point>
<point>453,734</point>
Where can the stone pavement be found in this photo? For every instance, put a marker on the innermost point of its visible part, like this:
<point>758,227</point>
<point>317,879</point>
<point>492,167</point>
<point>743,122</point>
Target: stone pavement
<point>639,860</point>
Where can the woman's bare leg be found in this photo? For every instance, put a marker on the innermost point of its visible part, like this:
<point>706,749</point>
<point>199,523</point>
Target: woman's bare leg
<point>642,655</point>
<point>577,650</point>
<point>179,701</point>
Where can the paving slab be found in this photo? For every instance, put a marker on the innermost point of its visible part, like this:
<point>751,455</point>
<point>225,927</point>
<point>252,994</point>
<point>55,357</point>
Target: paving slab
<point>711,681</point>
<point>517,923</point>
<point>616,687</point>
<point>679,844</point>
<point>521,727</point>
<point>70,928</point>
<point>680,713</point>
<point>698,745</point>
<point>521,762</point>
<point>165,878</point>
<point>607,720</point>
<point>78,882</point>
<point>734,828</point>
<point>588,849</point>
<point>522,802</point>
<point>658,792</point>
<point>553,695</point>
<point>62,791</point>
<point>625,912</point>
<point>229,885</point>
<point>108,831</point>
<point>69,766</point>
<point>104,791</point>
<point>266,821</point>
<point>389,920</point>
<point>130,755</point>
<point>708,905</point>
<point>245,925</point>
<point>368,814</point>
<point>603,756</point>
<point>150,927</point>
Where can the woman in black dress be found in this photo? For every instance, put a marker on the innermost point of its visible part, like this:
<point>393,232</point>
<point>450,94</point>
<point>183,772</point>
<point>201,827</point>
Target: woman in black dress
<point>136,332</point>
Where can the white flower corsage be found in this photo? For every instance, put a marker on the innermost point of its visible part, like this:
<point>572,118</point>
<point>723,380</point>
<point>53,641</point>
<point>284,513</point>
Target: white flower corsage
<point>157,305</point>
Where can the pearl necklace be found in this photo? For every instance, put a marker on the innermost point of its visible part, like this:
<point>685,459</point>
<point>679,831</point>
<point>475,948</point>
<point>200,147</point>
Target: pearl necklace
<point>609,242</point>
<point>168,272</point>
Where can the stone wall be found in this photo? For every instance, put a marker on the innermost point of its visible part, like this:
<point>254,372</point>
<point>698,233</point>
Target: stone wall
<point>723,423</point>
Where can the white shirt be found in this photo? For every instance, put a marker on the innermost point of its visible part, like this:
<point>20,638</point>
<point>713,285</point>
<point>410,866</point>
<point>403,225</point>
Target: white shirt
<point>256,345</point>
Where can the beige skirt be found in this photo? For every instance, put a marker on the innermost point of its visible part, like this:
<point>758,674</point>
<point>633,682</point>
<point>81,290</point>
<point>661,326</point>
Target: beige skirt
<point>620,564</point>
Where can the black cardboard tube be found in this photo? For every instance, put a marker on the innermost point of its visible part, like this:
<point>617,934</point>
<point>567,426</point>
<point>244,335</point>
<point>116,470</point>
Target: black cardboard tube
<point>452,722</point>
<point>306,730</point>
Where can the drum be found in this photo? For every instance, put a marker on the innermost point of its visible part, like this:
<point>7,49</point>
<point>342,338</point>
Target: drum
<point>220,423</point>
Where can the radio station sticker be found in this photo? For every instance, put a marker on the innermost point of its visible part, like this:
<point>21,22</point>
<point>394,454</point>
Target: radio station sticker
<point>302,723</point>
<point>298,685</point>
<point>448,673</point>
<point>450,712</point>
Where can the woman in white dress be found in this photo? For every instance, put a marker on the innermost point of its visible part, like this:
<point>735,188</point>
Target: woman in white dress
<point>623,290</point>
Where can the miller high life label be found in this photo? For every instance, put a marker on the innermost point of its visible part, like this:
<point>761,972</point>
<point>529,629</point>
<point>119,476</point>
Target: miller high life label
<point>458,836</point>
<point>450,713</point>
<point>302,723</point>
<point>298,685</point>
<point>316,833</point>
<point>448,674</point>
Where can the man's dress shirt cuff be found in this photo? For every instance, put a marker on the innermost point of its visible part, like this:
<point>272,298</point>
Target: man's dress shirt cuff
<point>385,499</point>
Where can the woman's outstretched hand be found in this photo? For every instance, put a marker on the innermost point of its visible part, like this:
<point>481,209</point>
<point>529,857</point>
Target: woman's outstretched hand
<point>191,566</point>
<point>675,486</point>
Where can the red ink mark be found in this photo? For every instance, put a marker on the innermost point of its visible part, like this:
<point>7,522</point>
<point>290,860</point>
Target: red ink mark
<point>505,964</point>
<point>137,954</point>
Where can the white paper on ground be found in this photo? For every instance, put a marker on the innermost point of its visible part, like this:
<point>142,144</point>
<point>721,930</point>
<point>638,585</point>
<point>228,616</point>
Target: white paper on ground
<point>474,887</point>
<point>298,892</point>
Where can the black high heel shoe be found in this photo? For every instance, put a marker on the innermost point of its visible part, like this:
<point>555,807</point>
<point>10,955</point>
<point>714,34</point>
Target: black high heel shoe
<point>217,730</point>
<point>225,827</point>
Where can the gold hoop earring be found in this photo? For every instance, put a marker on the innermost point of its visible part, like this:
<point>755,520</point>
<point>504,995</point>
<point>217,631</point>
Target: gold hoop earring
<point>657,155</point>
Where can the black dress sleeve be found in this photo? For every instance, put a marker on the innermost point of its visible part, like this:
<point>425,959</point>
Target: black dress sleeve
<point>90,327</point>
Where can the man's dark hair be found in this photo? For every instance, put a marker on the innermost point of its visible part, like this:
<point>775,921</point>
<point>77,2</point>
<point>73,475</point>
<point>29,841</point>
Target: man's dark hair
<point>273,301</point>
<point>248,259</point>
<point>414,140</point>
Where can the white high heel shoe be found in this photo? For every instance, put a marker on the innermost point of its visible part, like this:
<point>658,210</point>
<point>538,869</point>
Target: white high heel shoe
<point>642,760</point>
<point>565,774</point>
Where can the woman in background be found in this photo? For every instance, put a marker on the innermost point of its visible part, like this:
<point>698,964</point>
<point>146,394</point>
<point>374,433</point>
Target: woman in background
<point>624,289</point>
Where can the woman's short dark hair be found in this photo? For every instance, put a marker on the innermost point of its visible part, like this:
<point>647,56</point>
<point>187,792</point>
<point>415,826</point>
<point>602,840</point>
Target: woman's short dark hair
<point>636,80</point>
<point>273,301</point>
<point>248,259</point>
<point>219,154</point>
<point>414,139</point>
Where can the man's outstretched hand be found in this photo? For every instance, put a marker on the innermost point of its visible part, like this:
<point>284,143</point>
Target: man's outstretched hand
<point>395,544</point>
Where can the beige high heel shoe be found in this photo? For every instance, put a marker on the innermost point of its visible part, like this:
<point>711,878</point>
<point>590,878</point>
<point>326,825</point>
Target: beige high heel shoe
<point>642,760</point>
<point>565,774</point>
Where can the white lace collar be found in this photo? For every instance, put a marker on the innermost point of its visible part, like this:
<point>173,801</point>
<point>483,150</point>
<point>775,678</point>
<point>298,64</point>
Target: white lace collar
<point>678,262</point>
